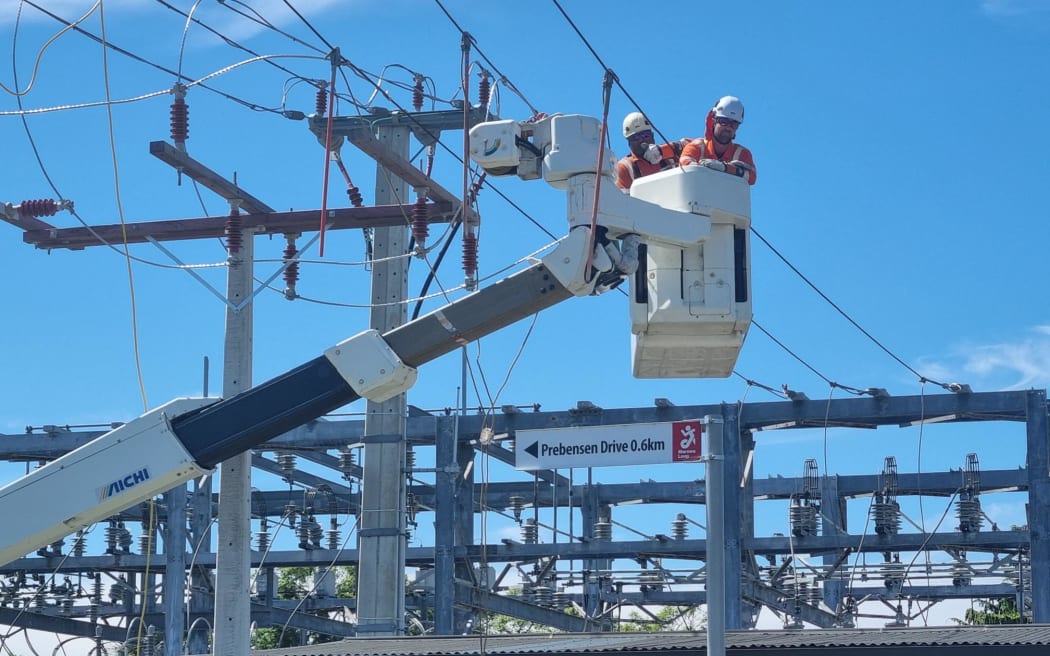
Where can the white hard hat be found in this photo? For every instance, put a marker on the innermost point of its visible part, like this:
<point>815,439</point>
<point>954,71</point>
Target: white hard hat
<point>729,107</point>
<point>634,123</point>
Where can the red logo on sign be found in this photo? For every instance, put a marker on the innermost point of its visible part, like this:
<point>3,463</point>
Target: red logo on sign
<point>686,436</point>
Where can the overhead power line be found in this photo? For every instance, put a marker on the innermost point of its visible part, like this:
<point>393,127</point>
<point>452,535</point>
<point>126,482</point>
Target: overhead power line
<point>616,78</point>
<point>502,78</point>
<point>307,23</point>
<point>177,75</point>
<point>924,379</point>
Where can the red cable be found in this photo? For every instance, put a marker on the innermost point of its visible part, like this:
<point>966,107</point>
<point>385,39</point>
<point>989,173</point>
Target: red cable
<point>607,87</point>
<point>342,169</point>
<point>327,153</point>
<point>466,120</point>
<point>470,240</point>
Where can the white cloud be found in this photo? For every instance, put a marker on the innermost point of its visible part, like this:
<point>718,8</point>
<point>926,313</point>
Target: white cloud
<point>1021,363</point>
<point>1005,515</point>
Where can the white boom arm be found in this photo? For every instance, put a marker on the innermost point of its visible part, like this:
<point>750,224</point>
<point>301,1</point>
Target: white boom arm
<point>188,437</point>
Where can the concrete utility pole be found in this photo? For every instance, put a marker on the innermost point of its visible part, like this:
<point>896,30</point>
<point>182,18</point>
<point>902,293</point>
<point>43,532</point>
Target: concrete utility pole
<point>716,566</point>
<point>233,561</point>
<point>175,565</point>
<point>381,536</point>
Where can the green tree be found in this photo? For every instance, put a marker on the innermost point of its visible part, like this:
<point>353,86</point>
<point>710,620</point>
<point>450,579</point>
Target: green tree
<point>506,624</point>
<point>668,618</point>
<point>994,611</point>
<point>297,583</point>
<point>346,581</point>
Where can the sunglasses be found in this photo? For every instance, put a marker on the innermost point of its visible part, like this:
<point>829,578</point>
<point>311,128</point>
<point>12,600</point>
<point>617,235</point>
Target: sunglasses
<point>721,120</point>
<point>644,135</point>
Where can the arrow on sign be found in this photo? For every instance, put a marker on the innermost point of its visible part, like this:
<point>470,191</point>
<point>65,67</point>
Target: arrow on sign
<point>533,449</point>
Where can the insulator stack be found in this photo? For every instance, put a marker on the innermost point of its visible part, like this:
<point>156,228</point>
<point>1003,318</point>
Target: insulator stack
<point>39,598</point>
<point>603,530</point>
<point>262,537</point>
<point>970,515</point>
<point>561,600</point>
<point>893,574</point>
<point>38,208</point>
<point>815,594</point>
<point>517,503</point>
<point>484,89</point>
<point>803,518</point>
<point>347,463</point>
<point>291,269</point>
<point>304,534</point>
<point>67,606</point>
<point>887,516</point>
<point>116,590</point>
<point>286,461</point>
<point>180,126</point>
<point>543,596</point>
<point>148,540</point>
<point>180,118</point>
<point>309,533</point>
<point>355,196</point>
<point>650,580</point>
<point>417,93</point>
<point>125,539</point>
<point>321,101</point>
<point>79,544</point>
<point>315,532</point>
<point>420,223</point>
<point>961,572</point>
<point>112,535</point>
<point>679,527</point>
<point>470,259</point>
<point>146,648</point>
<point>332,535</point>
<point>410,459</point>
<point>530,532</point>
<point>95,600</point>
<point>234,231</point>
<point>291,511</point>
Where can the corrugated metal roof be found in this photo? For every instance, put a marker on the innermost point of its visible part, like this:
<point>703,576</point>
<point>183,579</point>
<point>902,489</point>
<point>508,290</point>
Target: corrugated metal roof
<point>583,643</point>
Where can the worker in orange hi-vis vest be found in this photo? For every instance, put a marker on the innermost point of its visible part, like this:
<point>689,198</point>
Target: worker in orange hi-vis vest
<point>716,149</point>
<point>645,157</point>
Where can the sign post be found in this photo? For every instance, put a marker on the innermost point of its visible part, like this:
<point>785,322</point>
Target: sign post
<point>608,446</point>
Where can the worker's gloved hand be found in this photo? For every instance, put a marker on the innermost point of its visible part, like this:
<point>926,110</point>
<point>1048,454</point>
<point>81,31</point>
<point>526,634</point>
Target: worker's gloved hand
<point>741,165</point>
<point>653,154</point>
<point>601,260</point>
<point>714,164</point>
<point>628,263</point>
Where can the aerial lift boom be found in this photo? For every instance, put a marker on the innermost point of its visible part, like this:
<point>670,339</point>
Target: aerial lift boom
<point>187,438</point>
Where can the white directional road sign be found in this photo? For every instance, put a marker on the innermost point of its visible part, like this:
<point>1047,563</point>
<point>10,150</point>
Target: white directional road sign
<point>608,446</point>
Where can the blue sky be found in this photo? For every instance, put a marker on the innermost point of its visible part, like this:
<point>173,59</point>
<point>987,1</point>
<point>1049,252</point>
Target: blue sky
<point>901,155</point>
